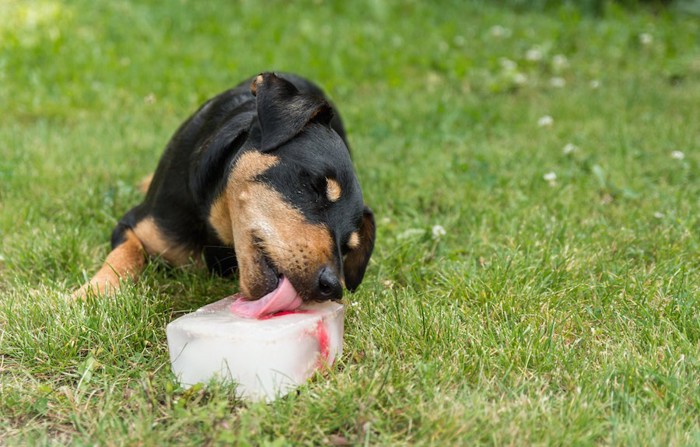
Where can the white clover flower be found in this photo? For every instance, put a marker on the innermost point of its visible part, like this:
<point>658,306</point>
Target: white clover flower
<point>533,54</point>
<point>659,215</point>
<point>677,155</point>
<point>557,82</point>
<point>507,64</point>
<point>438,231</point>
<point>550,177</point>
<point>519,78</point>
<point>559,61</point>
<point>433,79</point>
<point>545,121</point>
<point>499,31</point>
<point>569,149</point>
<point>595,84</point>
<point>646,39</point>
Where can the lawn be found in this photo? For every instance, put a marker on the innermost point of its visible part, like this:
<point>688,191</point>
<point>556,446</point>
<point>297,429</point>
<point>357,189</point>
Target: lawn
<point>534,175</point>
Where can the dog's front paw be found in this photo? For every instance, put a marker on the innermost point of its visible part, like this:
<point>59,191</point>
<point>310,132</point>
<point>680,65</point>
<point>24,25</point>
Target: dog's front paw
<point>98,286</point>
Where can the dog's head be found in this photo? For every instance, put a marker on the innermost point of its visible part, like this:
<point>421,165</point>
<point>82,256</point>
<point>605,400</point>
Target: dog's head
<point>292,205</point>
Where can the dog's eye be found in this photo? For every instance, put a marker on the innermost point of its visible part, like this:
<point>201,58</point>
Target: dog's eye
<point>319,186</point>
<point>312,184</point>
<point>344,249</point>
<point>326,188</point>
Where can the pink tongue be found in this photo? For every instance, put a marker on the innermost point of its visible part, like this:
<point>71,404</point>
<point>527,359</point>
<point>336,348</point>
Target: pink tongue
<point>283,298</point>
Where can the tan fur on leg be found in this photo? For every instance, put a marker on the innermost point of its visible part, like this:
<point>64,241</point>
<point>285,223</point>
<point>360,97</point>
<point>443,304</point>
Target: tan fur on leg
<point>125,262</point>
<point>145,183</point>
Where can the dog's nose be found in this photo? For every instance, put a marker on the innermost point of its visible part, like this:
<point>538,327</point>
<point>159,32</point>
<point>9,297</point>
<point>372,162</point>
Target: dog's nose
<point>329,286</point>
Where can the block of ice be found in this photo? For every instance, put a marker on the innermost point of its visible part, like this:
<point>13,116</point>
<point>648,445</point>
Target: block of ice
<point>266,357</point>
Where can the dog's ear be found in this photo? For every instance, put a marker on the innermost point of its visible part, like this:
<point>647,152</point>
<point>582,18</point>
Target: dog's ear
<point>356,260</point>
<point>283,111</point>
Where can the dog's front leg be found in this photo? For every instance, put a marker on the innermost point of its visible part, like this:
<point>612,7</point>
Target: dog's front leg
<point>125,262</point>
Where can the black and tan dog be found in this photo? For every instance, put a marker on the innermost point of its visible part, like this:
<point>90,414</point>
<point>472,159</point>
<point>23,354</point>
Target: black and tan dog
<point>258,180</point>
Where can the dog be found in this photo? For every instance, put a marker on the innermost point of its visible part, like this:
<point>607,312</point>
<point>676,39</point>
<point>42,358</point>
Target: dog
<point>258,181</point>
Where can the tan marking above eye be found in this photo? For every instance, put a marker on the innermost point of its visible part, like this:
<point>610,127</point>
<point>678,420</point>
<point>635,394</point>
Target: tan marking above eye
<point>354,240</point>
<point>333,190</point>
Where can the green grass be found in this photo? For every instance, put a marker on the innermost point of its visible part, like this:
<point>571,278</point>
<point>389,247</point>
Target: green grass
<point>560,312</point>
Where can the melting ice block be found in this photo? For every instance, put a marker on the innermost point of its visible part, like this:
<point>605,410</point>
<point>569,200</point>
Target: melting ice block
<point>266,357</point>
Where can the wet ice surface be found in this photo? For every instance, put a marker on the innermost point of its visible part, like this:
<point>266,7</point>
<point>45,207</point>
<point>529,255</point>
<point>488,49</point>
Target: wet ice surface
<point>266,357</point>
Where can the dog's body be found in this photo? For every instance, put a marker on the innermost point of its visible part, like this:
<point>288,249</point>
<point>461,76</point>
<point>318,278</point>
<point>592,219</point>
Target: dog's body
<point>258,180</point>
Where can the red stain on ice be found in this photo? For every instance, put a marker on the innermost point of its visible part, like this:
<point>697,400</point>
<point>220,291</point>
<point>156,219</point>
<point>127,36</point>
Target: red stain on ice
<point>321,334</point>
<point>324,343</point>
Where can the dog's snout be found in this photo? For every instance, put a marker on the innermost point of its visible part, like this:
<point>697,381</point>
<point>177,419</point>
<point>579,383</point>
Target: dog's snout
<point>329,286</point>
